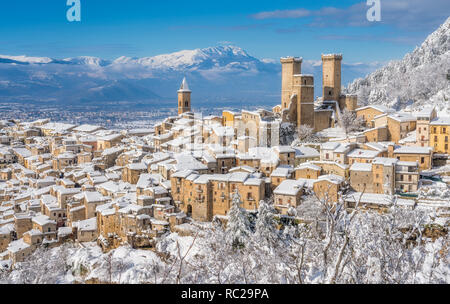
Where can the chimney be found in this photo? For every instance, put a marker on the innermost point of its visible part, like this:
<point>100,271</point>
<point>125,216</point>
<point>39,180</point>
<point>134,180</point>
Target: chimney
<point>391,150</point>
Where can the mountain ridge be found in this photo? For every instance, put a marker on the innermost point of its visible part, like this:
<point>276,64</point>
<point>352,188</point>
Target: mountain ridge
<point>224,74</point>
<point>418,80</point>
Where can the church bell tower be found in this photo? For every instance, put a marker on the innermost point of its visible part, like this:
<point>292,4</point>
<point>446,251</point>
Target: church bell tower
<point>184,98</point>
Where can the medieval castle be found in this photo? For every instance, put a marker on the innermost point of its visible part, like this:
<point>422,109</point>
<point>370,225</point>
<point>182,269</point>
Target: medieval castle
<point>297,94</point>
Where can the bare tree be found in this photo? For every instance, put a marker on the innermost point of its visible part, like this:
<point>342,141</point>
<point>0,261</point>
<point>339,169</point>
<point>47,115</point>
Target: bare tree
<point>305,134</point>
<point>350,122</point>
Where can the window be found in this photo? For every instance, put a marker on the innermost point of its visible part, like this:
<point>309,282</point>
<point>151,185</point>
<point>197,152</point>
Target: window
<point>446,138</point>
<point>422,160</point>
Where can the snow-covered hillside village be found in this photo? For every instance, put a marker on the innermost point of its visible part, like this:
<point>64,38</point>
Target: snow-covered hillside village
<point>350,187</point>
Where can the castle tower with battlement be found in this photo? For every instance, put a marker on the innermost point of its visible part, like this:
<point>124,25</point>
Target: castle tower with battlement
<point>297,94</point>
<point>290,66</point>
<point>331,81</point>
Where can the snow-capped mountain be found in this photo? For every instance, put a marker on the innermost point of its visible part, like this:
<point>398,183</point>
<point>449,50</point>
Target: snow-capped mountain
<point>419,79</point>
<point>222,75</point>
<point>84,60</point>
<point>23,59</point>
<point>196,59</point>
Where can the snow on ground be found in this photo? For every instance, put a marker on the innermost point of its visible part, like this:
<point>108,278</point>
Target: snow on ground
<point>187,245</point>
<point>128,264</point>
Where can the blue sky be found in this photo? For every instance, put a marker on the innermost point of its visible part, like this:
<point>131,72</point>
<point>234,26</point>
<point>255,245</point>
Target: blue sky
<point>266,29</point>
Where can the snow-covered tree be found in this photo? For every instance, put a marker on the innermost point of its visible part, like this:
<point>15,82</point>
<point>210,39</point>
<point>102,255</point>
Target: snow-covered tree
<point>350,122</point>
<point>305,134</point>
<point>287,133</point>
<point>266,226</point>
<point>238,225</point>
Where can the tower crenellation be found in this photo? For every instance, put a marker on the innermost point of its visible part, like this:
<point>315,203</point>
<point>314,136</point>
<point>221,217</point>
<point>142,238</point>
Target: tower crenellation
<point>297,95</point>
<point>331,65</point>
<point>290,66</point>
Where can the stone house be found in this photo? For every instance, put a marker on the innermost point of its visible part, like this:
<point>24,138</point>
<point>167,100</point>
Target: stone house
<point>422,155</point>
<point>288,194</point>
<point>327,187</point>
<point>308,171</point>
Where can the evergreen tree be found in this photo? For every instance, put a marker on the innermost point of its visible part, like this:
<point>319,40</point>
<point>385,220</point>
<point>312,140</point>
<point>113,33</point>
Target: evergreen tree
<point>238,226</point>
<point>266,229</point>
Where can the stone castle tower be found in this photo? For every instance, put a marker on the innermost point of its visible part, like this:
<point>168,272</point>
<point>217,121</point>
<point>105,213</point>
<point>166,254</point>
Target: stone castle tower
<point>297,93</point>
<point>184,98</point>
<point>331,65</point>
<point>290,66</point>
<point>332,84</point>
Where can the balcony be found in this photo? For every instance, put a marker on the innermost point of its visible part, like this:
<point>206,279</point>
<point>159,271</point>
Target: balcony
<point>405,169</point>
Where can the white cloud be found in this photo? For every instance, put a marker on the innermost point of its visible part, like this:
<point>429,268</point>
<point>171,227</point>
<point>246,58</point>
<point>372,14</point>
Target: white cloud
<point>418,15</point>
<point>298,13</point>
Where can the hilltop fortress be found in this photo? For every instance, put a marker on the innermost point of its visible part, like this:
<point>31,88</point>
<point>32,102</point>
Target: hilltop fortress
<point>60,181</point>
<point>297,94</point>
<point>298,105</point>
